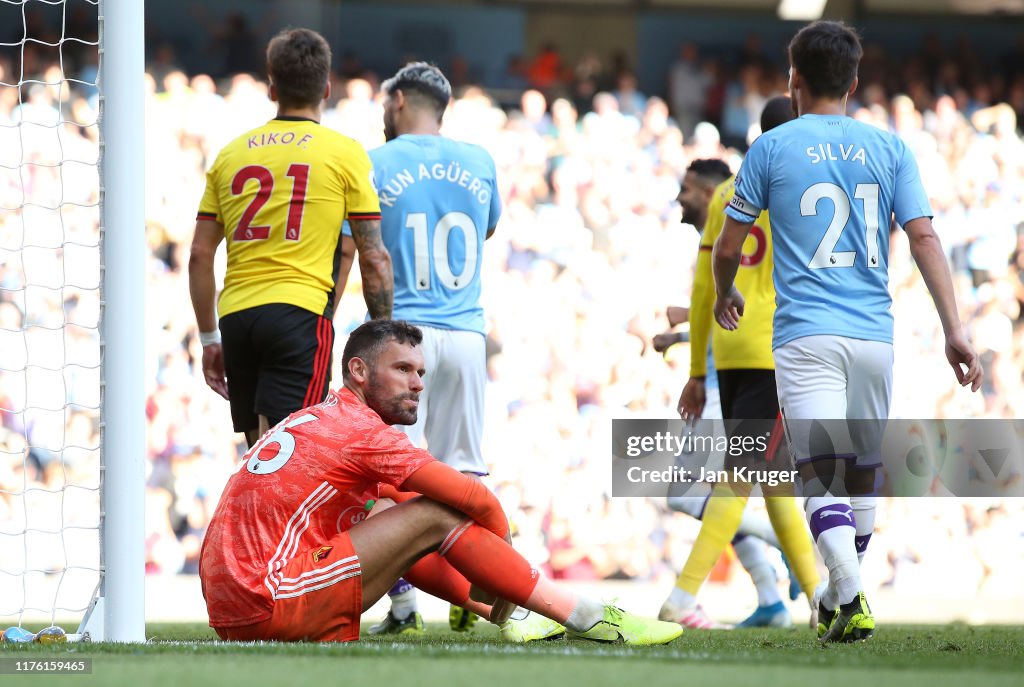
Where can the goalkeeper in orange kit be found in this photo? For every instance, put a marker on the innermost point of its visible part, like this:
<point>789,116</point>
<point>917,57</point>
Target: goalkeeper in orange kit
<point>292,555</point>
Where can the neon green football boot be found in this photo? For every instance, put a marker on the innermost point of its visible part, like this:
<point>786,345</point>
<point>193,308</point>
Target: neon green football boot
<point>531,628</point>
<point>412,625</point>
<point>461,620</point>
<point>622,627</point>
<point>825,617</point>
<point>853,622</point>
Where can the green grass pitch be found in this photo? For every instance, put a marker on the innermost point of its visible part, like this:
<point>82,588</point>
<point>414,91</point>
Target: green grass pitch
<point>909,656</point>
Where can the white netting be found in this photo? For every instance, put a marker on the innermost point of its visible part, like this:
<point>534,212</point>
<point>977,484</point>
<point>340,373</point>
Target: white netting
<point>49,310</point>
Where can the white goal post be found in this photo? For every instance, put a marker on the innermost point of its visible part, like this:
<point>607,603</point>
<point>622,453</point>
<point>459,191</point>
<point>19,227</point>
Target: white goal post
<point>118,613</point>
<point>72,294</point>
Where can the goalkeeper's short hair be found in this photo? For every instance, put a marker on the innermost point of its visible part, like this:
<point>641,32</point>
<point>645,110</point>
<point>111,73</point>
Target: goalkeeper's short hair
<point>367,341</point>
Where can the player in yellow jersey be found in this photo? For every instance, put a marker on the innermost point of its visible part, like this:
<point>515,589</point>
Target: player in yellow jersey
<point>746,381</point>
<point>278,195</point>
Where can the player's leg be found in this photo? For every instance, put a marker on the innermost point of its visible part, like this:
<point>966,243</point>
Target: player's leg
<point>719,522</point>
<point>431,573</point>
<point>868,398</point>
<point>454,428</point>
<point>812,376</point>
<point>435,576</point>
<point>794,541</point>
<point>751,524</point>
<point>753,399</point>
<point>493,566</point>
<point>391,542</point>
<point>760,400</point>
<point>264,425</point>
<point>770,611</point>
<point>695,501</point>
<point>405,533</point>
<point>691,504</point>
<point>755,408</point>
<point>789,523</point>
<point>320,593</point>
<point>835,517</point>
<point>241,367</point>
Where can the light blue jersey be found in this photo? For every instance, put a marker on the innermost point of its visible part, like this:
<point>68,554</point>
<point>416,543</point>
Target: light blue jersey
<point>438,200</point>
<point>831,185</point>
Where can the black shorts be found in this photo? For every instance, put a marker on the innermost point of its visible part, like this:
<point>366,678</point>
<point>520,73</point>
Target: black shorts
<point>748,394</point>
<point>278,360</point>
<point>751,395</point>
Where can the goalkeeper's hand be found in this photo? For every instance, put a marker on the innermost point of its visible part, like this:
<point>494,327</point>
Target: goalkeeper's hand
<point>501,611</point>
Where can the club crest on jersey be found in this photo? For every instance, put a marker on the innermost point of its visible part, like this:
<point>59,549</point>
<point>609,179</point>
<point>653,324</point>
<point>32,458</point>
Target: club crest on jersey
<point>322,553</point>
<point>351,516</point>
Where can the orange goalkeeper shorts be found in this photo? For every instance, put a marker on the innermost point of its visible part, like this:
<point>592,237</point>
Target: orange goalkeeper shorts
<point>319,598</point>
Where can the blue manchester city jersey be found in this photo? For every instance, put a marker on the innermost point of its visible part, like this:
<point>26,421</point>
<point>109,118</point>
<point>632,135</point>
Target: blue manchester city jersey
<point>831,185</point>
<point>438,199</point>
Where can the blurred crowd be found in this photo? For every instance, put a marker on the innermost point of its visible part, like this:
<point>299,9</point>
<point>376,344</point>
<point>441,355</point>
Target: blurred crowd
<point>589,252</point>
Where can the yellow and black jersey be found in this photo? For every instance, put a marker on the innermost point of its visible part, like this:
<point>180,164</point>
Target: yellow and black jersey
<point>282,191</point>
<point>749,346</point>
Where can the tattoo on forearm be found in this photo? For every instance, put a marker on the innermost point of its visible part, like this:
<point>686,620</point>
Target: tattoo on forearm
<point>378,301</point>
<point>374,267</point>
<point>366,233</point>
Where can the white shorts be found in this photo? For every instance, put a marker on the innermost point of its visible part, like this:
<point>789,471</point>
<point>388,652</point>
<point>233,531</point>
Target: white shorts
<point>835,377</point>
<point>451,411</point>
<point>712,404</point>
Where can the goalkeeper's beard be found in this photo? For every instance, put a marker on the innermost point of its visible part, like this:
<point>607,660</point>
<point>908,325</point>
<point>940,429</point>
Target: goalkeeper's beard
<point>393,410</point>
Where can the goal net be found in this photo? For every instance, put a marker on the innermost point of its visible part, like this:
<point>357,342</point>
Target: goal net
<point>54,419</point>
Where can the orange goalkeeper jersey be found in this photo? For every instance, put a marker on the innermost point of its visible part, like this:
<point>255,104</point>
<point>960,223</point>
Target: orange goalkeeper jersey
<point>310,478</point>
<point>282,191</point>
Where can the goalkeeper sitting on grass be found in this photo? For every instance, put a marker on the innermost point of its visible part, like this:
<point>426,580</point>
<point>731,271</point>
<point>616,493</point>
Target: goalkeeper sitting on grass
<point>291,554</point>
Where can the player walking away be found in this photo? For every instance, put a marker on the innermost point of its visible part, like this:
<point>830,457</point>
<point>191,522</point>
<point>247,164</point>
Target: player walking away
<point>291,555</point>
<point>831,185</point>
<point>746,376</point>
<point>439,203</point>
<point>278,195</point>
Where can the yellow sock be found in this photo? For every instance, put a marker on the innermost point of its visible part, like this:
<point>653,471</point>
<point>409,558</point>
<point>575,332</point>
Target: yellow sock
<point>721,520</point>
<point>791,529</point>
